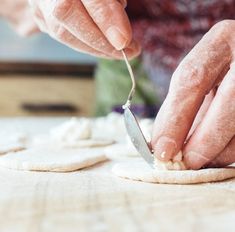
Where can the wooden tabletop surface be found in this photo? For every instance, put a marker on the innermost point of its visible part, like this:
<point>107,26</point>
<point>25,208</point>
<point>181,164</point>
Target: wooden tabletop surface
<point>95,200</point>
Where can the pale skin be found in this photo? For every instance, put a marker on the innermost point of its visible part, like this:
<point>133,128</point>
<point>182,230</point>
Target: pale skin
<point>198,114</point>
<point>18,14</point>
<point>207,69</point>
<point>100,28</point>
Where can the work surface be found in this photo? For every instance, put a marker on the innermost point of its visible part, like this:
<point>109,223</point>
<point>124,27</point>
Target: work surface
<point>95,200</point>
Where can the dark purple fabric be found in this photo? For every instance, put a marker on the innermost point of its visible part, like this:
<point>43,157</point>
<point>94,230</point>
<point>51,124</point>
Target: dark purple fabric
<point>167,30</point>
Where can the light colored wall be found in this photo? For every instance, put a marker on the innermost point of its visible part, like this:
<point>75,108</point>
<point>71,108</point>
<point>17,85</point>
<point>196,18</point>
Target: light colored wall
<point>39,47</point>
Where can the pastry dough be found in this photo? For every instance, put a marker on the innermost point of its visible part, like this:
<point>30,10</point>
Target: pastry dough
<point>138,169</point>
<point>52,159</point>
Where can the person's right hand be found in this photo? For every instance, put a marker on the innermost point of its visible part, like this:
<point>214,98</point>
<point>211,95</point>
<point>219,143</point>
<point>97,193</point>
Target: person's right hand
<point>97,27</point>
<point>18,14</point>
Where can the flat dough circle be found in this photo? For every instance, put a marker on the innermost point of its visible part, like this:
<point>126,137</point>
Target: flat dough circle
<point>89,143</point>
<point>138,169</point>
<point>11,147</point>
<point>86,143</point>
<point>54,160</point>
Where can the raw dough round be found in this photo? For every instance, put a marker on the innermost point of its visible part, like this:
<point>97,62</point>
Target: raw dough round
<point>46,141</point>
<point>88,143</point>
<point>138,169</point>
<point>55,160</point>
<point>11,147</point>
<point>12,142</point>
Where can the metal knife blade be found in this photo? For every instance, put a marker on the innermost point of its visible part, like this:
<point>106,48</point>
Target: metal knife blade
<point>137,137</point>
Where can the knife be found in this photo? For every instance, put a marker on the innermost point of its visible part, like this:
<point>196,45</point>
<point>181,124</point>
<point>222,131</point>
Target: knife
<point>132,125</point>
<point>137,137</point>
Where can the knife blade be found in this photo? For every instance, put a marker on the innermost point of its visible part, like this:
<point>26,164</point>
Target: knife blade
<point>137,136</point>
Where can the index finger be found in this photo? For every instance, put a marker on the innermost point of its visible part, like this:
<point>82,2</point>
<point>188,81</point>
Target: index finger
<point>192,80</point>
<point>112,20</point>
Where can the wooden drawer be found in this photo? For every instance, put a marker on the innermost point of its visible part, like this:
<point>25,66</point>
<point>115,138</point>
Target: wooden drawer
<point>22,95</point>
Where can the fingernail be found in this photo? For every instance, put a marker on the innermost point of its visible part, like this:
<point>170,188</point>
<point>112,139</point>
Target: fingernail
<point>165,148</point>
<point>194,160</point>
<point>133,50</point>
<point>116,38</point>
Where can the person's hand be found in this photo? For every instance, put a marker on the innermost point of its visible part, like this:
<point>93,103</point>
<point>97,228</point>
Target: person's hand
<point>97,27</point>
<point>19,14</point>
<point>198,115</point>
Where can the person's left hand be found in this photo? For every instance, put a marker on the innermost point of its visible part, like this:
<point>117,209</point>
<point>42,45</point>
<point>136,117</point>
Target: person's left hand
<point>19,14</point>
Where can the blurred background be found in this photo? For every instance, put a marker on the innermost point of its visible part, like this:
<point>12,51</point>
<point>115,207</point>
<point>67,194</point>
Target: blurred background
<point>39,76</point>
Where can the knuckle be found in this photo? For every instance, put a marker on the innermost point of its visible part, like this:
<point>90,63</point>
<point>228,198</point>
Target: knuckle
<point>99,13</point>
<point>189,76</point>
<point>102,10</point>
<point>222,29</point>
<point>62,8</point>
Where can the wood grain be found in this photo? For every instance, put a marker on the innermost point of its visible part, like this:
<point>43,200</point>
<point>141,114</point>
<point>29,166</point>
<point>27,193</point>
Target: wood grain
<point>43,68</point>
<point>19,89</point>
<point>95,200</point>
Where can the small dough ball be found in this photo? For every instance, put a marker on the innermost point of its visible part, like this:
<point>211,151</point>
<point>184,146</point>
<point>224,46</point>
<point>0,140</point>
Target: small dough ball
<point>175,164</point>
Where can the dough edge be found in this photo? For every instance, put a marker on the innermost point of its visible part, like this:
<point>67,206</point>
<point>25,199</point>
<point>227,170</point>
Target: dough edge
<point>139,171</point>
<point>9,162</point>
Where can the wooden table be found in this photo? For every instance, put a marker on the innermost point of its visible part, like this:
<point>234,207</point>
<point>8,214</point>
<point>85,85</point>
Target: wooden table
<point>95,200</point>
<point>18,90</point>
